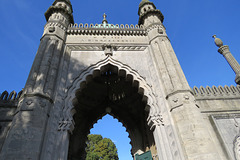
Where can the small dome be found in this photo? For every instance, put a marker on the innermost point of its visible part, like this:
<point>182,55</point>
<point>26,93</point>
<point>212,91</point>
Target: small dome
<point>143,2</point>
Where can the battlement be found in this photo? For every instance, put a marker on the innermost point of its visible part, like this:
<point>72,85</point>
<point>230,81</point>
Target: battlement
<point>219,92</point>
<point>103,29</point>
<point>11,99</point>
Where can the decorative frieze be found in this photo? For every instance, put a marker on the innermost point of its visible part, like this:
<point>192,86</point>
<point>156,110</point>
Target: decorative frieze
<point>52,25</point>
<point>100,48</point>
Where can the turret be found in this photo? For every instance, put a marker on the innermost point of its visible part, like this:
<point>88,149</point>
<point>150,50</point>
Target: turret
<point>58,17</point>
<point>148,14</point>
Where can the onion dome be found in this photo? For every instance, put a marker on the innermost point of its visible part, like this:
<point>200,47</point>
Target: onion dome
<point>65,7</point>
<point>104,19</point>
<point>143,2</point>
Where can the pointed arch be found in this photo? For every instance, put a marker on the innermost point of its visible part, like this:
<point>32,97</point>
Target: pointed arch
<point>93,71</point>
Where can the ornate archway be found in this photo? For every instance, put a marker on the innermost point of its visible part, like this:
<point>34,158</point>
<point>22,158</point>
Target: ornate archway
<point>109,87</point>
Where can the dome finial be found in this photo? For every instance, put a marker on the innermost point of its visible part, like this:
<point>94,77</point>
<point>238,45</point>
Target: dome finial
<point>104,19</point>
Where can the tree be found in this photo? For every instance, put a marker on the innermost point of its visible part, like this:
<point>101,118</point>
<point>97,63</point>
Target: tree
<point>99,148</point>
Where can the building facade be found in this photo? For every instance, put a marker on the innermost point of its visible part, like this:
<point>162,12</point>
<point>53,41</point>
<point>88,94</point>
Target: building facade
<point>83,72</point>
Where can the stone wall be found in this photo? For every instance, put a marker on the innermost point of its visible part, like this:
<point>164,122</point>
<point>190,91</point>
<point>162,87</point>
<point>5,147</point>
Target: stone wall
<point>220,108</point>
<point>8,106</point>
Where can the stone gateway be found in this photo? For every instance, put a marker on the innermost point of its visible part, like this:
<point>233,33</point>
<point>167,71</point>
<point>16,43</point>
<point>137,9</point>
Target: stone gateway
<point>83,72</point>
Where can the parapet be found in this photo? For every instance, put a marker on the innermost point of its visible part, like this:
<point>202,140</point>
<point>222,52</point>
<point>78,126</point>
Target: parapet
<point>11,99</point>
<point>226,92</point>
<point>107,29</point>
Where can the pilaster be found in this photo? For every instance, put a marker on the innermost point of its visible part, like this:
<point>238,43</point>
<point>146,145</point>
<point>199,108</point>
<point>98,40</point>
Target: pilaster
<point>194,137</point>
<point>193,133</point>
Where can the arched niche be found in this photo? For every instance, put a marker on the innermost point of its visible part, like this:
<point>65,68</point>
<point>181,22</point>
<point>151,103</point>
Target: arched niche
<point>110,87</point>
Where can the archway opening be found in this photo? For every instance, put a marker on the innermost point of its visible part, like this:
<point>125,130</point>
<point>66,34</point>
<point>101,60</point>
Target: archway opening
<point>111,128</point>
<point>110,91</point>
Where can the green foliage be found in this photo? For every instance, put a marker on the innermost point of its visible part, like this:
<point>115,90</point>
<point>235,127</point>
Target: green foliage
<point>99,148</point>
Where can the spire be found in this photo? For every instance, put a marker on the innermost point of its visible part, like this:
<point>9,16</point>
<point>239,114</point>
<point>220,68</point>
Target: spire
<point>224,50</point>
<point>61,6</point>
<point>104,19</point>
<point>147,8</point>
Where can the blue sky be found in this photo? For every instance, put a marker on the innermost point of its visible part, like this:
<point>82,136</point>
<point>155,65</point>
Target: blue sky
<point>190,25</point>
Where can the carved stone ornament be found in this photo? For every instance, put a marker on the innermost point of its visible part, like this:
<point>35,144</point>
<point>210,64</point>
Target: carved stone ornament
<point>154,121</point>
<point>237,147</point>
<point>108,49</point>
<point>224,50</point>
<point>65,125</point>
<point>29,102</point>
<point>51,29</point>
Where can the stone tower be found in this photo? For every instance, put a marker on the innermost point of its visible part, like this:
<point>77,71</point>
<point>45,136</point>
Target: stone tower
<point>83,72</point>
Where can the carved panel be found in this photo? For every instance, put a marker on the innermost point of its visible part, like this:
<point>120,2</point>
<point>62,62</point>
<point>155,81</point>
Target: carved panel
<point>228,129</point>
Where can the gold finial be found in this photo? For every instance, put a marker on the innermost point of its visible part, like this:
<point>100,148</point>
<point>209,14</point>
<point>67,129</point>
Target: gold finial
<point>104,19</point>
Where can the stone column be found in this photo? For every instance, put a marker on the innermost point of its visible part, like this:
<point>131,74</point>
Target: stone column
<point>224,50</point>
<point>161,139</point>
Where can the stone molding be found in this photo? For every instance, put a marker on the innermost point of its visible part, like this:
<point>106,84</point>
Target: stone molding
<point>160,27</point>
<point>52,24</point>
<point>100,48</point>
<point>224,50</point>
<point>53,9</point>
<point>110,29</point>
<point>226,92</point>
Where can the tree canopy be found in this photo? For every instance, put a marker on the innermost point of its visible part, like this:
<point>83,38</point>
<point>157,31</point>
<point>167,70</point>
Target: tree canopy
<point>100,148</point>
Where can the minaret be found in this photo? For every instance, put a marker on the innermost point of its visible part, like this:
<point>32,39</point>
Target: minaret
<point>224,50</point>
<point>26,135</point>
<point>44,70</point>
<point>179,98</point>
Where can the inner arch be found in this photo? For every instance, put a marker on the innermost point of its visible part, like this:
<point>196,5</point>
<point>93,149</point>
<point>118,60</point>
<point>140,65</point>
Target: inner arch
<point>110,127</point>
<point>110,91</point>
